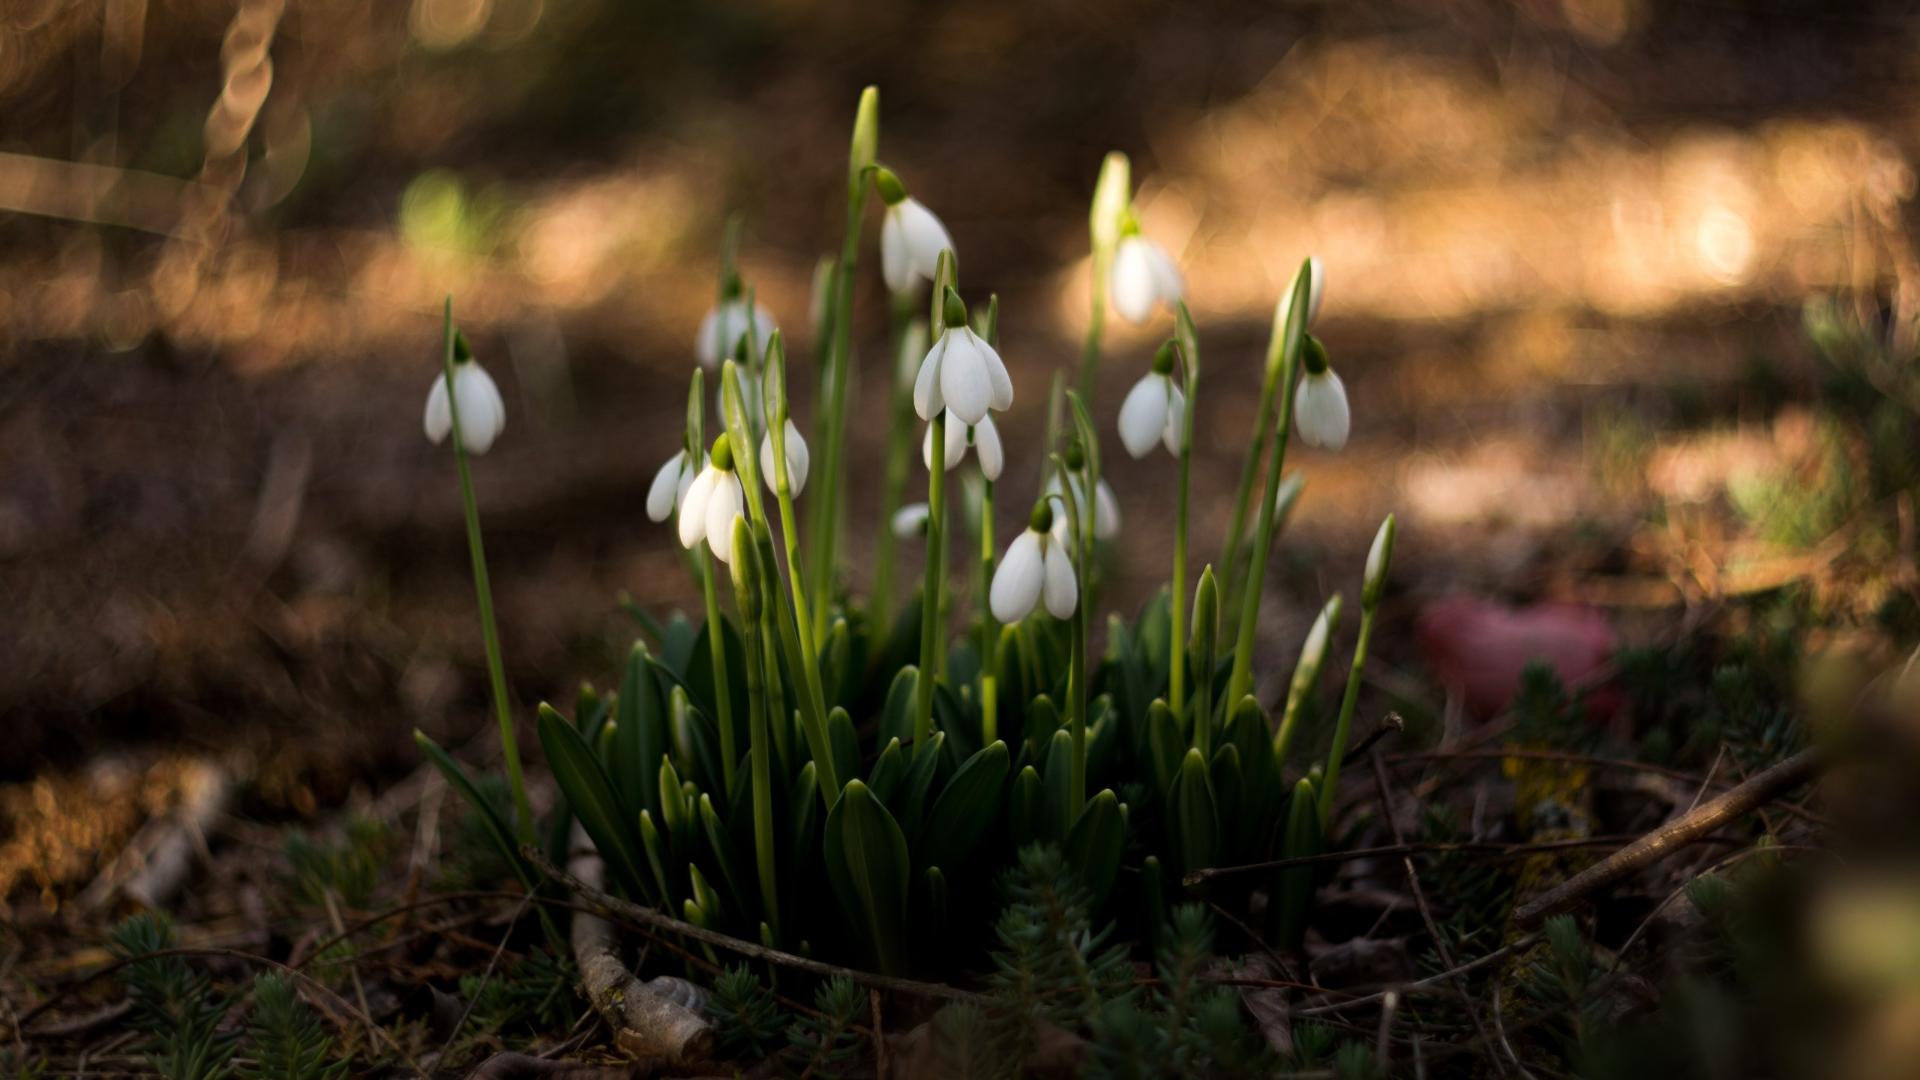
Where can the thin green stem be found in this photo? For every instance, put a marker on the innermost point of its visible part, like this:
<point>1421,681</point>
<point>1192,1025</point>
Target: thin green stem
<point>1343,728</point>
<point>1236,527</point>
<point>898,463</point>
<point>759,760</point>
<point>483,593</point>
<point>989,630</point>
<point>717,650</point>
<point>831,497</point>
<point>1096,324</point>
<point>931,645</point>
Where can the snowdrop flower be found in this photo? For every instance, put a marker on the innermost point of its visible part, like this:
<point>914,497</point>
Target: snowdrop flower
<point>1038,565</point>
<point>910,521</point>
<point>482,414</point>
<point>1320,405</point>
<point>984,437</point>
<point>669,488</point>
<point>1155,409</point>
<point>911,237</point>
<point>1106,508</point>
<point>797,460</point>
<point>727,325</point>
<point>712,503</point>
<point>961,373</point>
<point>1143,275</point>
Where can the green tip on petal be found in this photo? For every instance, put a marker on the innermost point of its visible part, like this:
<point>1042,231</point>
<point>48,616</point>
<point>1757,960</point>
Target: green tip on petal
<point>462,351</point>
<point>1042,517</point>
<point>1379,560</point>
<point>892,191</point>
<point>1076,456</point>
<point>731,287</point>
<point>722,453</point>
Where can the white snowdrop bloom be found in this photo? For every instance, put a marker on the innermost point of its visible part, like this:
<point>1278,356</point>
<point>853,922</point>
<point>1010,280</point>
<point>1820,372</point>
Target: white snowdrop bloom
<point>1143,275</point>
<point>483,415</point>
<point>961,373</point>
<point>911,237</point>
<point>1316,288</point>
<point>910,521</point>
<point>797,460</point>
<point>1155,409</point>
<point>1037,567</point>
<point>1320,404</point>
<point>986,440</point>
<point>669,488</point>
<point>711,504</point>
<point>1106,508</point>
<point>724,327</point>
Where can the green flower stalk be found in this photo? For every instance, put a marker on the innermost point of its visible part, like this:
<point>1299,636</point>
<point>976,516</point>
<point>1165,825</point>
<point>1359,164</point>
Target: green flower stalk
<point>464,385</point>
<point>830,498</point>
<point>1290,325</point>
<point>953,319</point>
<point>914,341</point>
<point>748,595</point>
<point>718,475</point>
<point>1379,560</point>
<point>989,629</point>
<point>1190,347</point>
<point>1112,194</point>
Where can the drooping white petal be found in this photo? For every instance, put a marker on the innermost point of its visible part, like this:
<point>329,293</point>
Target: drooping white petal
<point>439,418</point>
<point>724,326</point>
<point>482,414</point>
<point>896,264</point>
<point>693,508</point>
<point>953,447</point>
<point>1143,415</point>
<point>997,372</point>
<point>1320,411</point>
<point>909,521</point>
<point>1176,419</point>
<point>926,386</point>
<point>706,341</point>
<point>797,460</point>
<point>1168,287</point>
<point>665,486</point>
<point>986,443</point>
<point>1017,582</point>
<point>1062,591</point>
<point>723,505</point>
<point>965,383</point>
<point>926,237</point>
<point>1106,512</point>
<point>1131,280</point>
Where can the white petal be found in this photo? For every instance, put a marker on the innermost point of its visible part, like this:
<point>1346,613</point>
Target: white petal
<point>1106,514</point>
<point>693,508</point>
<point>1016,584</point>
<point>1176,419</point>
<point>799,459</point>
<point>965,383</point>
<point>439,418</point>
<point>1320,411</point>
<point>997,372</point>
<point>706,343</point>
<point>926,386</point>
<point>1143,415</point>
<point>1316,287</point>
<point>1168,288</point>
<point>896,264</point>
<point>1132,280</point>
<point>986,443</point>
<point>666,484</point>
<point>723,506</point>
<point>910,521</point>
<point>763,328</point>
<point>687,472</point>
<point>1062,591</point>
<point>926,237</point>
<point>482,414</point>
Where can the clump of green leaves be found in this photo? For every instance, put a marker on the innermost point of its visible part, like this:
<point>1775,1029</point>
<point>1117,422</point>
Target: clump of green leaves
<point>746,1017</point>
<point>285,1039</point>
<point>830,1042</point>
<point>348,869</point>
<point>175,1007</point>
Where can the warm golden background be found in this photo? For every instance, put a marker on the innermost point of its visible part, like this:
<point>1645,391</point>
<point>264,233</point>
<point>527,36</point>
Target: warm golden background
<point>1568,243</point>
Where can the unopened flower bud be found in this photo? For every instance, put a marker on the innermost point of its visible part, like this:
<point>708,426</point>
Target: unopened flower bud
<point>1379,561</point>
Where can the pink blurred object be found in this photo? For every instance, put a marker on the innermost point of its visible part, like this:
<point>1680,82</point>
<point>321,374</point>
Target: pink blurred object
<point>1478,648</point>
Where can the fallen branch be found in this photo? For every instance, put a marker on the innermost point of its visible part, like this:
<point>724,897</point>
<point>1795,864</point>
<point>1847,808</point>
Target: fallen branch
<point>1492,848</point>
<point>645,1024</point>
<point>1756,791</point>
<point>646,916</point>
